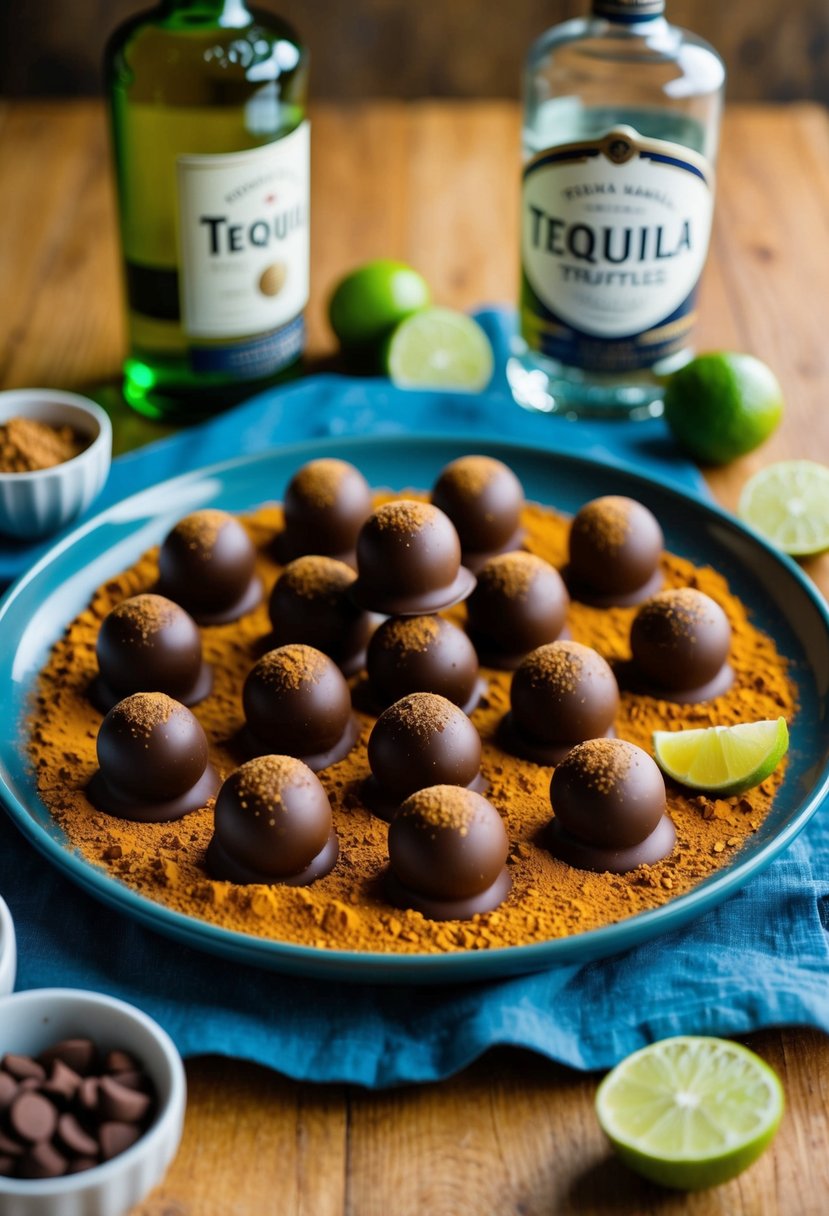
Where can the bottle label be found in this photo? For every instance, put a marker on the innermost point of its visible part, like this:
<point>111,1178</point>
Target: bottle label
<point>244,247</point>
<point>614,238</point>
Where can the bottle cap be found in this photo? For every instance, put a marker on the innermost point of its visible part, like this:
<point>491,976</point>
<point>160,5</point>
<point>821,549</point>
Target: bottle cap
<point>628,11</point>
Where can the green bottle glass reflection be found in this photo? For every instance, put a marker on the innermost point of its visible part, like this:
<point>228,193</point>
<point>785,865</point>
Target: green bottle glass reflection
<point>211,147</point>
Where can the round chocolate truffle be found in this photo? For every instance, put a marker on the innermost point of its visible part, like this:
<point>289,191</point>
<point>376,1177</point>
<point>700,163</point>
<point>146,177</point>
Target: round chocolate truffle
<point>326,503</point>
<point>483,498</point>
<point>421,740</point>
<point>423,654</point>
<point>310,603</point>
<point>297,703</point>
<point>615,547</point>
<point>272,825</point>
<point>609,802</point>
<point>409,561</point>
<point>150,644</point>
<point>561,694</point>
<point>680,641</point>
<point>153,761</point>
<point>206,564</point>
<point>519,603</point>
<point>447,854</point>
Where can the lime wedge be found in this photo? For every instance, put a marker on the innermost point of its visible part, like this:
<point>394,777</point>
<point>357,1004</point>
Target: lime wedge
<point>788,503</point>
<point>722,759</point>
<point>439,348</point>
<point>690,1112</point>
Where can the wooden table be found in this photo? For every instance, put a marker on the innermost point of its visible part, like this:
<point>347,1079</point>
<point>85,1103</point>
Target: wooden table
<point>436,185</point>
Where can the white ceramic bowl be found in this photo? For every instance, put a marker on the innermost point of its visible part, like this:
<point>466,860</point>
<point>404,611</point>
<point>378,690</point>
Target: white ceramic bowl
<point>30,1022</point>
<point>35,504</point>
<point>8,950</point>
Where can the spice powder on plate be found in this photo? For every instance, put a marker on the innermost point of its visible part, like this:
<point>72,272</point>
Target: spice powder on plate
<point>346,909</point>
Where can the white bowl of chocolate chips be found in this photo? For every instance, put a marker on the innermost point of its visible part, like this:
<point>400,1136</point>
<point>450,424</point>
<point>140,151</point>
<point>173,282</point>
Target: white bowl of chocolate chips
<point>92,1098</point>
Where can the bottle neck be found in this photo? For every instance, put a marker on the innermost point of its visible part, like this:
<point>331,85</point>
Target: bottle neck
<point>628,12</point>
<point>227,13</point>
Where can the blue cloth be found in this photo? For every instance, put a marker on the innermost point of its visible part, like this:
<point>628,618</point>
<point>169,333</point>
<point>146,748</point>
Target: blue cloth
<point>759,959</point>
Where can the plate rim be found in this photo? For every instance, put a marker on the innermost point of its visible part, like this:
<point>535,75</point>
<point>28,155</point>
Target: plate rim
<point>375,966</point>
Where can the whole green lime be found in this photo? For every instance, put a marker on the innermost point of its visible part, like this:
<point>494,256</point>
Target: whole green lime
<point>722,405</point>
<point>368,303</point>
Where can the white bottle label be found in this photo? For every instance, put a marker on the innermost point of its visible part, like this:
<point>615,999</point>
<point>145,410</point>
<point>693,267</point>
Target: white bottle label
<point>243,238</point>
<point>614,238</point>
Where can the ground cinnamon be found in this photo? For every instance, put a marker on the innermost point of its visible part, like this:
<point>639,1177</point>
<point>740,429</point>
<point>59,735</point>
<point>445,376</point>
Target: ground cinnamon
<point>27,445</point>
<point>346,909</point>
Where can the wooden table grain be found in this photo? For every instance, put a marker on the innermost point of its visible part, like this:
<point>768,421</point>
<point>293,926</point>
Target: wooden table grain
<point>436,185</point>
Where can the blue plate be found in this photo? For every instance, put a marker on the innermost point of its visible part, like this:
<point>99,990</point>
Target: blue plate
<point>781,599</point>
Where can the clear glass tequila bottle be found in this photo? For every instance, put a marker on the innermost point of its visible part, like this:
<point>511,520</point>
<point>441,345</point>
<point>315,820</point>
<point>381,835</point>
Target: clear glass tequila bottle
<point>212,164</point>
<point>621,127</point>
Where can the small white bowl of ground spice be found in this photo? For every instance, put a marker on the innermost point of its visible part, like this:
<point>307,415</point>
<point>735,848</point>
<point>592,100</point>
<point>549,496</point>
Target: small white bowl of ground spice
<point>55,452</point>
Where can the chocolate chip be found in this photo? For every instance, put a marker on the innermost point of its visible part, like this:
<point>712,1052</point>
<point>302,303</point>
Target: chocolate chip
<point>63,1083</point>
<point>21,1067</point>
<point>77,1054</point>
<point>78,1164</point>
<point>87,1095</point>
<point>134,1080</point>
<point>32,1117</point>
<point>116,1138</point>
<point>74,1139</point>
<point>120,1061</point>
<point>8,1089</point>
<point>121,1104</point>
<point>42,1161</point>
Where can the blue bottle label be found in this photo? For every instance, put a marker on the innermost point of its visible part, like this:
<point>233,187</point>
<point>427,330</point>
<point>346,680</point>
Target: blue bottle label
<point>615,234</point>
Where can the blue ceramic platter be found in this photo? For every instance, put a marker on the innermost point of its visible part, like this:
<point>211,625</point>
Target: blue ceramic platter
<point>780,598</point>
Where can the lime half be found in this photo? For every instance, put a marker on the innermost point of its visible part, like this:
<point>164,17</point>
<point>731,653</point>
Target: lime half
<point>788,503</point>
<point>722,759</point>
<point>690,1112</point>
<point>442,349</point>
<point>367,303</point>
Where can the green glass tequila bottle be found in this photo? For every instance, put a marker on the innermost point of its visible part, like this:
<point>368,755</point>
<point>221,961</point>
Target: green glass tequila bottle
<point>211,141</point>
<point>621,125</point>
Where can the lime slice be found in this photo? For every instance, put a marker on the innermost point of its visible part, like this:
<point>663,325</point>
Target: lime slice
<point>367,303</point>
<point>438,348</point>
<point>788,503</point>
<point>722,405</point>
<point>690,1112</point>
<point>722,759</point>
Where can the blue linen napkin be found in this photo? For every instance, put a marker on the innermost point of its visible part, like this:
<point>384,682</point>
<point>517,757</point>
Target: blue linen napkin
<point>759,959</point>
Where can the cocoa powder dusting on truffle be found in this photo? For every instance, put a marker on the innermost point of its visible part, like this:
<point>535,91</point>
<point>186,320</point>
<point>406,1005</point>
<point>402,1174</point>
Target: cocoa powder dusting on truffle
<point>404,515</point>
<point>557,665</point>
<point>442,806</point>
<point>146,614</point>
<point>312,577</point>
<point>144,711</point>
<point>606,521</point>
<point>318,482</point>
<point>293,665</point>
<point>604,764</point>
<point>511,573</point>
<point>200,531</point>
<point>410,634</point>
<point>261,780</point>
<point>343,910</point>
<point>473,474</point>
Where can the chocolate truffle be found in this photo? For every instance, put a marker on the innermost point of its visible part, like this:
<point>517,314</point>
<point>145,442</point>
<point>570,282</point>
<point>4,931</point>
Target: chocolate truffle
<point>483,498</point>
<point>421,740</point>
<point>423,654</point>
<point>519,603</point>
<point>206,564</point>
<point>153,761</point>
<point>447,854</point>
<point>561,694</point>
<point>272,825</point>
<point>680,641</point>
<point>409,561</point>
<point>310,603</point>
<point>326,503</point>
<point>608,797</point>
<point>615,547</point>
<point>150,644</point>
<point>297,703</point>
